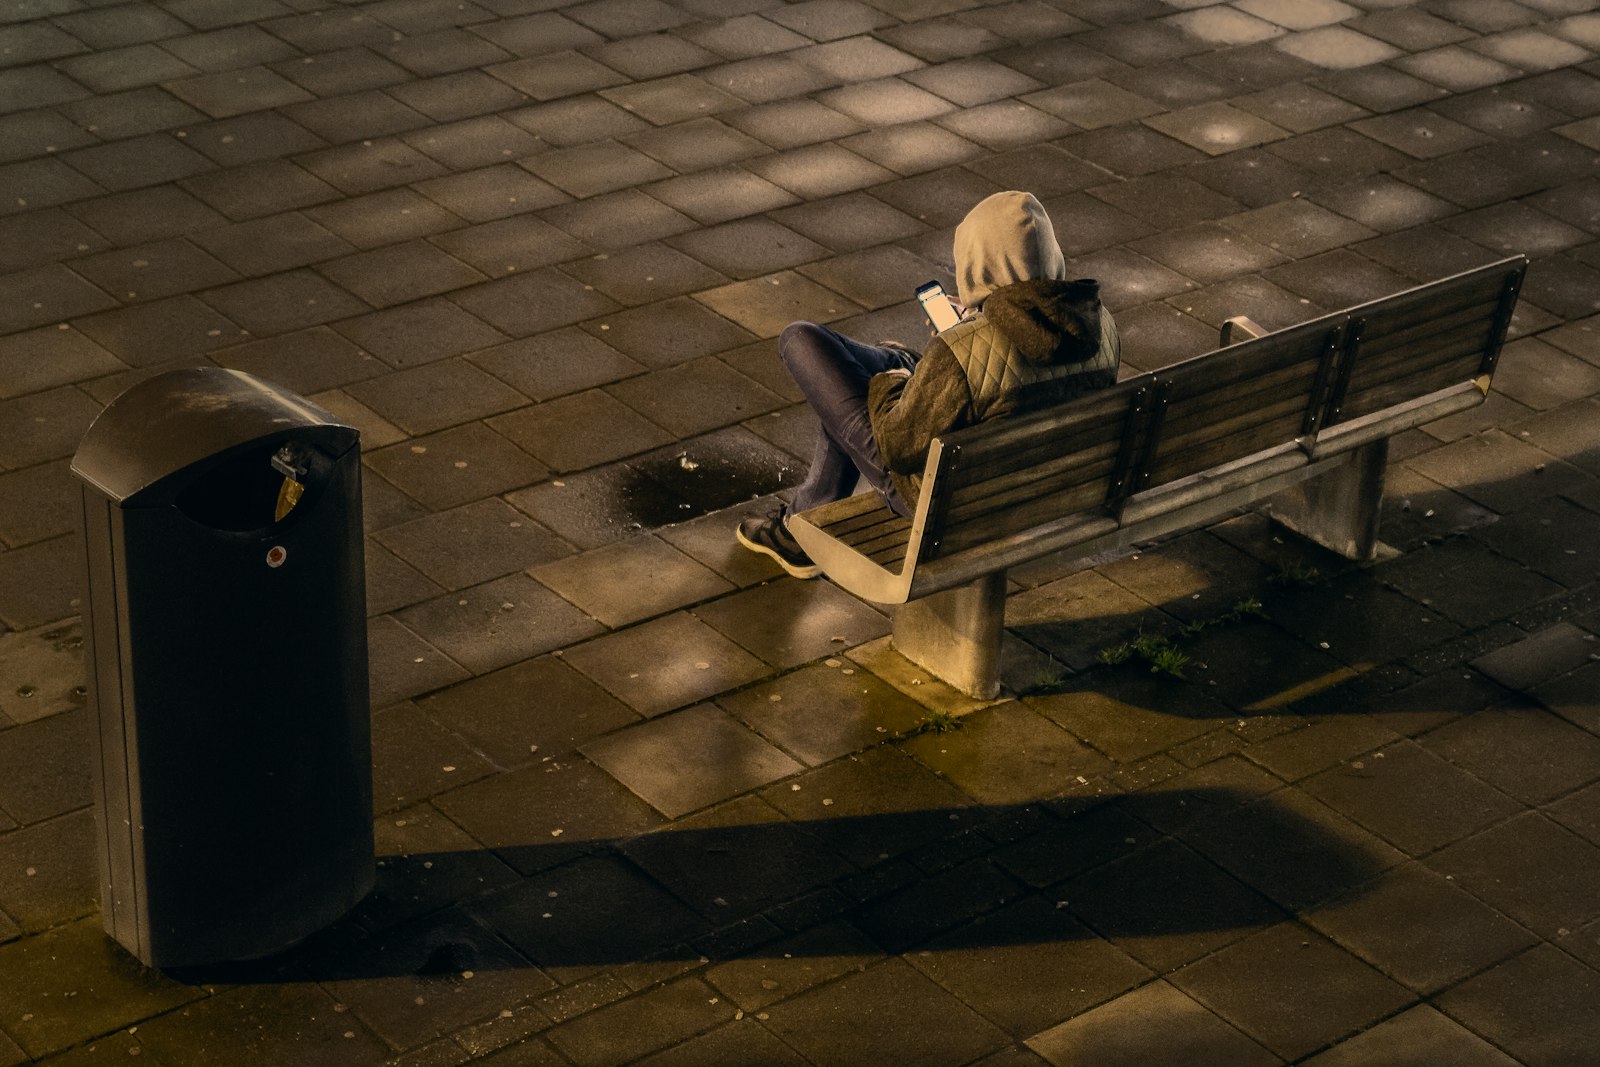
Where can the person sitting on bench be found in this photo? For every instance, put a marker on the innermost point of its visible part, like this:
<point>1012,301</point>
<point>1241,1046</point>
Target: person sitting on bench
<point>1027,338</point>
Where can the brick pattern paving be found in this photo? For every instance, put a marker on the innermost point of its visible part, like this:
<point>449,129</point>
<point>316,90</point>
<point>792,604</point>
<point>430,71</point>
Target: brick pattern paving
<point>642,800</point>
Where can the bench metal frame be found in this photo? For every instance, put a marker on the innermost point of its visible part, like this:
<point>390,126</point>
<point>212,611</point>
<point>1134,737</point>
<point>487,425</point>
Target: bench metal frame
<point>1341,386</point>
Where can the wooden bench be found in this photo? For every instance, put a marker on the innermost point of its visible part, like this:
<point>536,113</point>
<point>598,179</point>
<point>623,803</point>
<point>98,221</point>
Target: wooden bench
<point>1300,417</point>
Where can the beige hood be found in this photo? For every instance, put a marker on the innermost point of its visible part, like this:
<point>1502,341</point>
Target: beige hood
<point>1007,238</point>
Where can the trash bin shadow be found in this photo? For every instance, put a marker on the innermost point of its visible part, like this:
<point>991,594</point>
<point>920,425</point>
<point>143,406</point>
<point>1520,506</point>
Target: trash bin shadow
<point>1174,864</point>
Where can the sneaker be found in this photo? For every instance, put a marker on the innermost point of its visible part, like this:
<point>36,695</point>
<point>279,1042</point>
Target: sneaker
<point>771,536</point>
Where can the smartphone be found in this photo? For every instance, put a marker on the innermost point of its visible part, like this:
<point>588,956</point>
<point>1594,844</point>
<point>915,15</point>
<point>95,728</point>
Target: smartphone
<point>937,306</point>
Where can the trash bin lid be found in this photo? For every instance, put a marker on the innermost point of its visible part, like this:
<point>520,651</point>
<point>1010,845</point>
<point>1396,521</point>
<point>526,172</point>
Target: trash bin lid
<point>183,421</point>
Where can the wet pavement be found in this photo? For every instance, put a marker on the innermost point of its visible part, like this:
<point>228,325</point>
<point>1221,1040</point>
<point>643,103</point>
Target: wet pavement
<point>639,797</point>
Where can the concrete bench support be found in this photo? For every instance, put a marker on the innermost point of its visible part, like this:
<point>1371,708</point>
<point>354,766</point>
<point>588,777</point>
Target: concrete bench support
<point>1340,510</point>
<point>956,635</point>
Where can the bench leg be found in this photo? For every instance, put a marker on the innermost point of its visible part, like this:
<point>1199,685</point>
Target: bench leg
<point>1339,510</point>
<point>955,635</point>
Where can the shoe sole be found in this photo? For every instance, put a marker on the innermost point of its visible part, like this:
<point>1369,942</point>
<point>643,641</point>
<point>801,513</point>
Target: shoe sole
<point>803,573</point>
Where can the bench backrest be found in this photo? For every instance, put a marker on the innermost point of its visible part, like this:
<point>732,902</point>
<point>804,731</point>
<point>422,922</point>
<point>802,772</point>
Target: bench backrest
<point>1237,401</point>
<point>991,481</point>
<point>1425,339</point>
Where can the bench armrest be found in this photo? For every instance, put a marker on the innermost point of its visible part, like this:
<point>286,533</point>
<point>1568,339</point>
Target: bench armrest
<point>1238,325</point>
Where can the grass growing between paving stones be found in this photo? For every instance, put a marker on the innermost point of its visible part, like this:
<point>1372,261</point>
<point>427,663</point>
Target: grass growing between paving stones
<point>936,722</point>
<point>1162,655</point>
<point>1296,576</point>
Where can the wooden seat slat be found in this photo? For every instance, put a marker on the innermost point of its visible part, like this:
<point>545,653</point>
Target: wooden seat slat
<point>857,526</point>
<point>866,521</point>
<point>886,536</point>
<point>850,507</point>
<point>889,558</point>
<point>893,541</point>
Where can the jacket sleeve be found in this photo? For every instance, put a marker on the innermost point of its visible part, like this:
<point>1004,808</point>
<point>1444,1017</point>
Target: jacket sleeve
<point>908,413</point>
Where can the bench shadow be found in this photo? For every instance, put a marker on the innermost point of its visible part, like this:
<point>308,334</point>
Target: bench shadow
<point>1040,873</point>
<point>1307,593</point>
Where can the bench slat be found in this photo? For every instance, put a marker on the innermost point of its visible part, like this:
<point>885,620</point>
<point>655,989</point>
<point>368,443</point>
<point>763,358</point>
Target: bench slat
<point>1416,383</point>
<point>1372,385</point>
<point>1041,460</point>
<point>1438,299</point>
<point>983,527</point>
<point>1001,481</point>
<point>846,510</point>
<point>979,514</point>
<point>1013,440</point>
<point>1203,446</point>
<point>1389,364</point>
<point>1233,397</point>
<point>1041,464</point>
<point>1231,412</point>
<point>1079,479</point>
<point>1427,325</point>
<point>885,540</point>
<point>889,539</point>
<point>1422,334</point>
<point>1250,361</point>
<point>867,525</point>
<point>1237,401</point>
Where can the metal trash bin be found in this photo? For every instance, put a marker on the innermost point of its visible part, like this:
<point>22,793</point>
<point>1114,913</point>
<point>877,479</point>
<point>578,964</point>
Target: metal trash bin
<point>227,661</point>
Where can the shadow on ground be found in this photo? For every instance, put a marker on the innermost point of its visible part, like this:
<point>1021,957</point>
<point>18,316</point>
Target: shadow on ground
<point>1064,870</point>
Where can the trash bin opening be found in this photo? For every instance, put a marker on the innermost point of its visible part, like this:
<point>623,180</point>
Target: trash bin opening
<point>247,492</point>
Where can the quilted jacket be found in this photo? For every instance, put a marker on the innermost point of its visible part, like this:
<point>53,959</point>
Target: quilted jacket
<point>1035,343</point>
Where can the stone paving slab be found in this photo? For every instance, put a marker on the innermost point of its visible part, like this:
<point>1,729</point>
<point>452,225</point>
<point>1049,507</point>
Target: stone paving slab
<point>639,798</point>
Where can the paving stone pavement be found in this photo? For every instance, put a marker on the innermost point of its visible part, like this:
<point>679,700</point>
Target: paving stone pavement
<point>642,799</point>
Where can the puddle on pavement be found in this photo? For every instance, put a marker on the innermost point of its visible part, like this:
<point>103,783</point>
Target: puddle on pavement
<point>673,487</point>
<point>664,488</point>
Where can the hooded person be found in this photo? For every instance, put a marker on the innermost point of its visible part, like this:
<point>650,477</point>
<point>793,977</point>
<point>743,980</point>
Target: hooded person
<point>1028,338</point>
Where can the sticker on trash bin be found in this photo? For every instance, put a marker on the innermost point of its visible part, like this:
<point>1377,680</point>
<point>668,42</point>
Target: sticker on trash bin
<point>276,555</point>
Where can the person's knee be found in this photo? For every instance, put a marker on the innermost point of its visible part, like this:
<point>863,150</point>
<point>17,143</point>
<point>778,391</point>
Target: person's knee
<point>801,342</point>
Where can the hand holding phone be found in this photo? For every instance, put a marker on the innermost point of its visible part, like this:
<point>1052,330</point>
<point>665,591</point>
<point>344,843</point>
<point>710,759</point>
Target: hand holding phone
<point>937,306</point>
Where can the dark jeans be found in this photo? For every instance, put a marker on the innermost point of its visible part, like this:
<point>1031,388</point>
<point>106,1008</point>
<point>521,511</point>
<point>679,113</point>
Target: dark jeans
<point>832,371</point>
